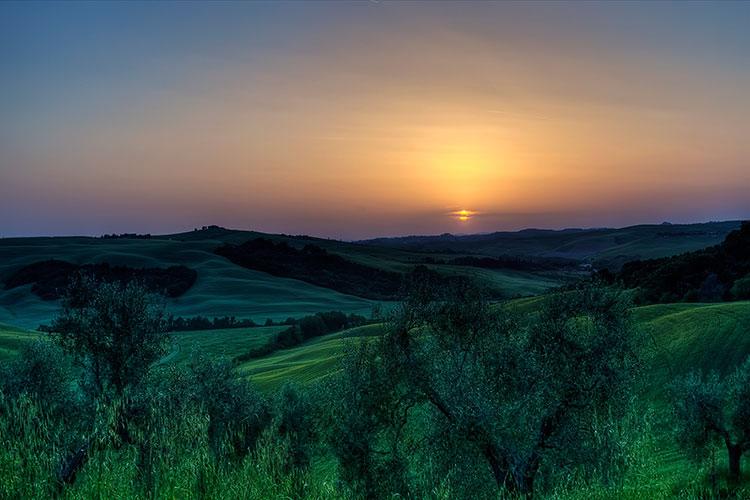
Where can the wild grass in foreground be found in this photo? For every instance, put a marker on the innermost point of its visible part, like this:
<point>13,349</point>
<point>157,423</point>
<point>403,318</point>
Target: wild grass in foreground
<point>451,399</point>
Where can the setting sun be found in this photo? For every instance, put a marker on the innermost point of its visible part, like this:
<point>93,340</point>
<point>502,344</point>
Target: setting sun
<point>463,215</point>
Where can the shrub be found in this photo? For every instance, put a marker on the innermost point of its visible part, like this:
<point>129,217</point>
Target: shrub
<point>710,412</point>
<point>44,372</point>
<point>741,289</point>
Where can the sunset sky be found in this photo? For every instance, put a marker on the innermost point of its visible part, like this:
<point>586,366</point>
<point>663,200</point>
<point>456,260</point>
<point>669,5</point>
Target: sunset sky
<point>352,120</point>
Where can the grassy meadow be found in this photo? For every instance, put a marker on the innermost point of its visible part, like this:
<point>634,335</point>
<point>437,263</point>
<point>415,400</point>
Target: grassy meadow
<point>680,338</point>
<point>224,289</point>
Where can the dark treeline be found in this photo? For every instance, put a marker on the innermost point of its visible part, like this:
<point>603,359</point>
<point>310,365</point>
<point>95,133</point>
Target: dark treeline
<point>333,321</point>
<point>130,236</point>
<point>303,329</point>
<point>513,262</point>
<point>191,323</point>
<point>717,273</point>
<point>50,278</point>
<point>182,324</point>
<point>315,265</point>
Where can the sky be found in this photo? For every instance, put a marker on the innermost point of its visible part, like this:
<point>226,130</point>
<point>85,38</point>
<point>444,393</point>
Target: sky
<point>355,120</point>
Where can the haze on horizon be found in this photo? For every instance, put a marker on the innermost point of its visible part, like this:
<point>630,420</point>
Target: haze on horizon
<point>355,120</point>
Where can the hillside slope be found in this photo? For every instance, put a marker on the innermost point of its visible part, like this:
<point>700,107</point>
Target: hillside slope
<point>221,288</point>
<point>703,275</point>
<point>681,337</point>
<point>226,289</point>
<point>604,247</point>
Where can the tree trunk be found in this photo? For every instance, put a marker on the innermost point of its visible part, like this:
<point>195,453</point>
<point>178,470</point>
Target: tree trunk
<point>72,464</point>
<point>514,480</point>
<point>527,480</point>
<point>500,470</point>
<point>735,454</point>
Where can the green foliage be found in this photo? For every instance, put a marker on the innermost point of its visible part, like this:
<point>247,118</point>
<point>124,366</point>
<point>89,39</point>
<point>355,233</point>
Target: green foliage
<point>28,454</point>
<point>303,329</point>
<point>113,331</point>
<point>700,276</point>
<point>44,373</point>
<point>197,430</point>
<point>237,412</point>
<point>710,411</point>
<point>41,417</point>
<point>294,425</point>
<point>698,409</point>
<point>741,289</point>
<point>363,426</point>
<point>514,398</point>
<point>170,458</point>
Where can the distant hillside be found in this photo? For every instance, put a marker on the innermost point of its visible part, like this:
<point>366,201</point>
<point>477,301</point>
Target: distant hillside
<point>508,265</point>
<point>684,337</point>
<point>604,248</point>
<point>314,265</point>
<point>706,275</point>
<point>223,288</point>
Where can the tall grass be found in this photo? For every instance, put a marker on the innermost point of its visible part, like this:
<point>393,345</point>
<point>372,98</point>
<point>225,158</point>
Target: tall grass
<point>171,458</point>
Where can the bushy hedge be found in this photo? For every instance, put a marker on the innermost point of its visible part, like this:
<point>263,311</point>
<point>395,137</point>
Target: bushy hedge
<point>304,329</point>
<point>50,278</point>
<point>315,265</point>
<point>707,275</point>
<point>182,324</point>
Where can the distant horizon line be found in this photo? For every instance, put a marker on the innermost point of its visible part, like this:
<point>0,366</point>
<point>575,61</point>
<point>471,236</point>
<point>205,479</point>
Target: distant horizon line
<point>395,236</point>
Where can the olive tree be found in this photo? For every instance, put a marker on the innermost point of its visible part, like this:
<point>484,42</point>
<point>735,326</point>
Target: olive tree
<point>114,334</point>
<point>514,393</point>
<point>711,411</point>
<point>113,331</point>
<point>367,415</point>
<point>44,373</point>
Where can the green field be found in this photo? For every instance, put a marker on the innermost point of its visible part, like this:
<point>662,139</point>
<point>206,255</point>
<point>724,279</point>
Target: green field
<point>12,339</point>
<point>313,360</point>
<point>309,362</point>
<point>680,338</point>
<point>226,342</point>
<point>606,245</point>
<point>224,289</point>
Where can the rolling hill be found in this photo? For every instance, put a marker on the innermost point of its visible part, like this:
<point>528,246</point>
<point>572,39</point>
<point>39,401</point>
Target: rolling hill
<point>223,288</point>
<point>682,337</point>
<point>604,247</point>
